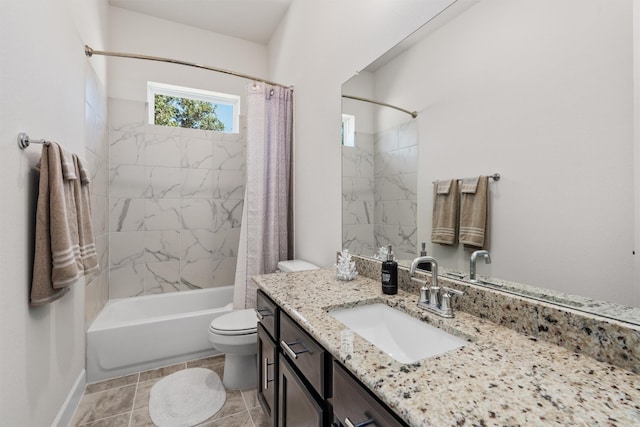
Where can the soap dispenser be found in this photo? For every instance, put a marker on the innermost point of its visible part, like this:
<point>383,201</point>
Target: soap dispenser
<point>389,274</point>
<point>425,266</point>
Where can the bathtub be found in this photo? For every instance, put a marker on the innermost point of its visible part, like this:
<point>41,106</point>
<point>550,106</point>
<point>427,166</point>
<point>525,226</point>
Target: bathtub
<point>147,332</point>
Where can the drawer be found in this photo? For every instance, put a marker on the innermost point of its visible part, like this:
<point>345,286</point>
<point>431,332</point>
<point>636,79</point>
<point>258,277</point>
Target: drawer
<point>354,405</point>
<point>267,314</point>
<point>304,353</point>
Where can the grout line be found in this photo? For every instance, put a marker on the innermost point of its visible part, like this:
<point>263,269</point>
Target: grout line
<point>133,403</point>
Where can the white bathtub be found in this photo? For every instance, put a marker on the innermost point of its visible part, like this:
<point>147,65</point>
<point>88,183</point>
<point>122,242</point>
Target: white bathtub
<point>141,333</point>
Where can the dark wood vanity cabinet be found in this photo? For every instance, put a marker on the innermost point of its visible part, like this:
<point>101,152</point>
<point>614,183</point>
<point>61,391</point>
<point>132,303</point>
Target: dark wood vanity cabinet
<point>353,405</point>
<point>299,384</point>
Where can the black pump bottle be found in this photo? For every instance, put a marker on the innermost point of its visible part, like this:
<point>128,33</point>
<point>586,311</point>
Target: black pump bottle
<point>389,274</point>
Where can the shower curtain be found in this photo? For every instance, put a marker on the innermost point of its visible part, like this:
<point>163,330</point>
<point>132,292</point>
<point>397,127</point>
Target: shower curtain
<point>265,235</point>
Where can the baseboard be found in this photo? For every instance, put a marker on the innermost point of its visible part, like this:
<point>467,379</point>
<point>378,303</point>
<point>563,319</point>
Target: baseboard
<point>65,415</point>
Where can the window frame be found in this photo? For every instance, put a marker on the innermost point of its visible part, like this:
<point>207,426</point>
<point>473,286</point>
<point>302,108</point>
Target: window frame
<point>155,88</point>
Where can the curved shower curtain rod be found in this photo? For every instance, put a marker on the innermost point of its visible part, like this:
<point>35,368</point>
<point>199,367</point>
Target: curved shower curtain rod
<point>413,114</point>
<point>90,52</point>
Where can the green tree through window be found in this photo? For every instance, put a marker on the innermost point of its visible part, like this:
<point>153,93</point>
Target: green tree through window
<point>186,113</point>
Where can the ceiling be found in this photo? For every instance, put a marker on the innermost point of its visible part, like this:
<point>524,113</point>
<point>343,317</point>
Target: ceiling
<point>252,20</point>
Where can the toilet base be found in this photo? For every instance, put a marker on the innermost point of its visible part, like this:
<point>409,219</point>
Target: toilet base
<point>240,371</point>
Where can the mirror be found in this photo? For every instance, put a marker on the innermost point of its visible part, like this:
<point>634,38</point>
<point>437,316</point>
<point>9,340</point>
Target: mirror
<point>541,92</point>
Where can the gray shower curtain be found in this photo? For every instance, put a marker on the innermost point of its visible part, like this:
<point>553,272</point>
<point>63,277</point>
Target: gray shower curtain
<point>266,223</point>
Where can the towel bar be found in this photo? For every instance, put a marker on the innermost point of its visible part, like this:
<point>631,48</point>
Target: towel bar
<point>494,176</point>
<point>24,141</point>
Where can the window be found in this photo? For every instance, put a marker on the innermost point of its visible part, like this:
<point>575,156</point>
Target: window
<point>185,107</point>
<point>348,130</point>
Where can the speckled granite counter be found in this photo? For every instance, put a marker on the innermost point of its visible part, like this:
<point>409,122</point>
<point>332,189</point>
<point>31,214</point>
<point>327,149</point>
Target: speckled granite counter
<point>501,377</point>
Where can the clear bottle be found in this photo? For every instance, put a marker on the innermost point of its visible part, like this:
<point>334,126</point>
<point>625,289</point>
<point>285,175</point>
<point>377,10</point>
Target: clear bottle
<point>389,274</point>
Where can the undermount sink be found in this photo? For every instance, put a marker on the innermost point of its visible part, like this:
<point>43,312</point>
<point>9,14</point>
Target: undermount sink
<point>404,338</point>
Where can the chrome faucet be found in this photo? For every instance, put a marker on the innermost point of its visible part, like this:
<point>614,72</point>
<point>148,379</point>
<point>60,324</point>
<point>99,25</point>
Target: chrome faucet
<point>472,263</point>
<point>431,299</point>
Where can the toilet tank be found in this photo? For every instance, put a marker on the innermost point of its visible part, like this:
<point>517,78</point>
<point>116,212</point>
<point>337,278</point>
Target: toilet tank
<point>296,265</point>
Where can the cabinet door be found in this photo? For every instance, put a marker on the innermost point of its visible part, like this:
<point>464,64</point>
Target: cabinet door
<point>353,405</point>
<point>297,406</point>
<point>267,374</point>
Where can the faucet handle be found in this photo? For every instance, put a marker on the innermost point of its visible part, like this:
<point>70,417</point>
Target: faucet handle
<point>452,291</point>
<point>445,304</point>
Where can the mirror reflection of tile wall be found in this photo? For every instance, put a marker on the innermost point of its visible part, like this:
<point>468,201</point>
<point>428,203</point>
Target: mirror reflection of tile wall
<point>176,198</point>
<point>379,191</point>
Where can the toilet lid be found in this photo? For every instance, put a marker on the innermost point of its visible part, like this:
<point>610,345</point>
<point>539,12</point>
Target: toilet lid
<point>238,322</point>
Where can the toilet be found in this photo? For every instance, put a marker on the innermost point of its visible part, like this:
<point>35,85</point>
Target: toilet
<point>235,335</point>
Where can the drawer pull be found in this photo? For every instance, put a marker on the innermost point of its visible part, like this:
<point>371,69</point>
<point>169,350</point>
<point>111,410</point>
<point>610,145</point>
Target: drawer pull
<point>294,354</point>
<point>266,373</point>
<point>349,423</point>
<point>263,312</point>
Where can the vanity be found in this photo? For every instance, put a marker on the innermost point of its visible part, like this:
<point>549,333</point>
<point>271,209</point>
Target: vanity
<point>313,370</point>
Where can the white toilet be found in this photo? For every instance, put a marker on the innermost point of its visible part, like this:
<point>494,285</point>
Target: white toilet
<point>235,335</point>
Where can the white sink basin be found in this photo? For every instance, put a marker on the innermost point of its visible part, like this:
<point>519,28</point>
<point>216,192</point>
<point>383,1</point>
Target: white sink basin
<point>401,336</point>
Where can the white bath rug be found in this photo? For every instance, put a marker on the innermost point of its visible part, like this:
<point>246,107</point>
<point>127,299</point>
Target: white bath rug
<point>186,398</point>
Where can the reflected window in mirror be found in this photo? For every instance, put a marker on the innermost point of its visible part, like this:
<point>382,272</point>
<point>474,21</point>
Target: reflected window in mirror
<point>348,130</point>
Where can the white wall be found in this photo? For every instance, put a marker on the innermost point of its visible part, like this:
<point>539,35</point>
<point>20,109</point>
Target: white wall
<point>318,47</point>
<point>133,32</point>
<point>546,100</point>
<point>42,91</point>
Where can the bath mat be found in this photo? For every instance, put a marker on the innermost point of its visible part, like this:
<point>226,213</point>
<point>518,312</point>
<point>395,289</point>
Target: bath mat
<point>186,398</point>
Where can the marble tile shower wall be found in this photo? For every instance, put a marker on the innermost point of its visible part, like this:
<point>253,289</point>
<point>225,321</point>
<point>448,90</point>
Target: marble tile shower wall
<point>395,189</point>
<point>97,156</point>
<point>357,195</point>
<point>175,203</point>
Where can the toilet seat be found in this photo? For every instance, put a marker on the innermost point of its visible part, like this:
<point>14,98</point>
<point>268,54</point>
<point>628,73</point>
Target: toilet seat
<point>238,322</point>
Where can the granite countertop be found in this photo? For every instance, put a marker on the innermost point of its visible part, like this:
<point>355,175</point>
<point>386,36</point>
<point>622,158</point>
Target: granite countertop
<point>501,377</point>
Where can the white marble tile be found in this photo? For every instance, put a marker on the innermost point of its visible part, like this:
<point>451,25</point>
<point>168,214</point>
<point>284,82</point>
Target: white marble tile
<point>99,215</point>
<point>197,184</point>
<point>162,214</point>
<point>357,163</point>
<point>406,160</point>
<point>126,146</point>
<point>126,248</point>
<point>197,244</point>
<point>197,213</point>
<point>227,214</point>
<point>102,250</point>
<point>224,272</point>
<point>357,212</point>
<point>400,212</point>
<point>126,281</point>
<point>162,182</point>
<point>408,134</point>
<point>160,246</point>
<point>358,238</point>
<point>228,184</point>
<point>99,171</point>
<point>127,181</point>
<point>161,151</point>
<point>196,153</point>
<point>126,214</point>
<point>160,277</point>
<point>360,189</point>
<point>402,238</point>
<point>197,274</point>
<point>229,156</point>
<point>400,187</point>
<point>386,141</point>
<point>384,164</point>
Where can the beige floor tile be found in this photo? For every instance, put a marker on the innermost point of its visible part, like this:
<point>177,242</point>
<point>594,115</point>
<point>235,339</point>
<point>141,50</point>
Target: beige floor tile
<point>206,362</point>
<point>232,405</point>
<point>121,420</point>
<point>141,418</point>
<point>259,418</point>
<point>250,396</point>
<point>142,393</point>
<point>242,419</point>
<point>104,404</point>
<point>112,383</point>
<point>161,372</point>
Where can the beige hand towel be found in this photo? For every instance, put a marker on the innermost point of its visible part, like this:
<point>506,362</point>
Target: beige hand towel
<point>57,261</point>
<point>445,212</point>
<point>473,211</point>
<point>86,238</point>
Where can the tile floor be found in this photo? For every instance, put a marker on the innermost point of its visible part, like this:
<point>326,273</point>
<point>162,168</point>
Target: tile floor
<point>124,401</point>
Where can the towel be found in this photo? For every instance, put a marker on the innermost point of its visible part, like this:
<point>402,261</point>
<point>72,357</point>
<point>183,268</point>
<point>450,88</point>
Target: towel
<point>86,238</point>
<point>445,212</point>
<point>473,211</point>
<point>63,209</point>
